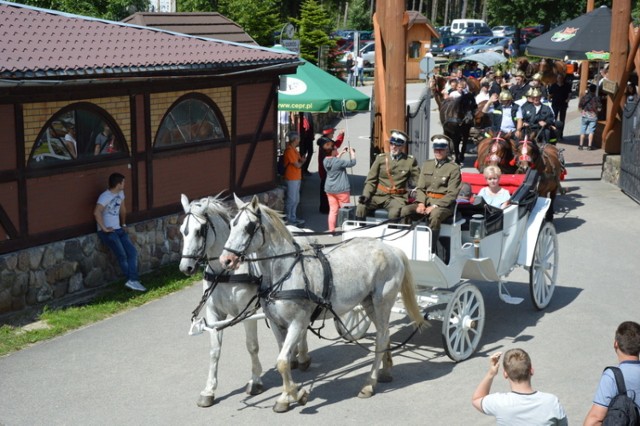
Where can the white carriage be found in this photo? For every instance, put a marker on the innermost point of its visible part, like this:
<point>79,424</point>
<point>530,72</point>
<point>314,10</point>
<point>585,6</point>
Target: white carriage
<point>479,247</point>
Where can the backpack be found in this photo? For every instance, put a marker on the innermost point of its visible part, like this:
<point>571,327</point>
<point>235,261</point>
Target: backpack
<point>622,409</point>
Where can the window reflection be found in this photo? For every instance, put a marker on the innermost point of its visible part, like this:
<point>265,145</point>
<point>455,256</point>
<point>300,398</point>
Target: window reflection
<point>76,133</point>
<point>189,121</point>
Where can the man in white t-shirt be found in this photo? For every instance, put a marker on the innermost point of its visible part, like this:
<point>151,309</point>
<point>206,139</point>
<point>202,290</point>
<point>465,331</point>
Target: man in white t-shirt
<point>523,405</point>
<point>110,214</point>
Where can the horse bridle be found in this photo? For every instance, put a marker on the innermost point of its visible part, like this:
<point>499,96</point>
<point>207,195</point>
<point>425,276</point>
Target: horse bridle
<point>492,155</point>
<point>201,253</point>
<point>251,228</point>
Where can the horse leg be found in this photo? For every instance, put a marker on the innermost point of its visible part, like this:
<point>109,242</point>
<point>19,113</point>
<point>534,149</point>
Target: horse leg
<point>255,386</point>
<point>291,391</point>
<point>207,395</point>
<point>379,313</point>
<point>302,353</point>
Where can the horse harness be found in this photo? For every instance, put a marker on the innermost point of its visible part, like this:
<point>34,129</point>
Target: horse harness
<point>200,232</point>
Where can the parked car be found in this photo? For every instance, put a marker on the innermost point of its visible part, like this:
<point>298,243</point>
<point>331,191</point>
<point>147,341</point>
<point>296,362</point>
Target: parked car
<point>438,44</point>
<point>369,54</point>
<point>458,25</point>
<point>454,51</point>
<point>503,31</point>
<point>495,44</point>
<point>476,31</point>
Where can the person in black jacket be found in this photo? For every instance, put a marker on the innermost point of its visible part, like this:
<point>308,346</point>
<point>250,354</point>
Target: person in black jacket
<point>535,117</point>
<point>560,94</point>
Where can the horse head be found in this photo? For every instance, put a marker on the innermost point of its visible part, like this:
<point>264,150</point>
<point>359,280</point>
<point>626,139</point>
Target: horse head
<point>497,150</point>
<point>529,156</point>
<point>203,229</point>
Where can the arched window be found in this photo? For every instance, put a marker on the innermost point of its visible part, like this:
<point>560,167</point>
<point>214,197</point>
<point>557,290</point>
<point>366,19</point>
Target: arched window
<point>414,49</point>
<point>192,119</point>
<point>77,133</point>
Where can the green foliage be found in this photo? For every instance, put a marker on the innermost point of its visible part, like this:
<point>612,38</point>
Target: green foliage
<point>259,19</point>
<point>314,27</point>
<point>116,298</point>
<point>359,18</point>
<point>114,10</point>
<point>197,6</point>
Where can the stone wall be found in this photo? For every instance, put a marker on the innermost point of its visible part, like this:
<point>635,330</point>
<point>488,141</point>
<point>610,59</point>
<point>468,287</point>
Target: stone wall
<point>67,270</point>
<point>611,169</point>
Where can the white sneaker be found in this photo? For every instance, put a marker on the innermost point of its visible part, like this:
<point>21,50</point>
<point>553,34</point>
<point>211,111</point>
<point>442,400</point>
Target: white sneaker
<point>135,285</point>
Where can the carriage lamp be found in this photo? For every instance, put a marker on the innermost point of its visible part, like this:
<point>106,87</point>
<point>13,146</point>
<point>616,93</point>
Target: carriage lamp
<point>477,231</point>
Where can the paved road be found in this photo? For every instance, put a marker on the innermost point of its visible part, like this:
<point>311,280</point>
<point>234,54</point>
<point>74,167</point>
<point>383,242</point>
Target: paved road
<point>141,368</point>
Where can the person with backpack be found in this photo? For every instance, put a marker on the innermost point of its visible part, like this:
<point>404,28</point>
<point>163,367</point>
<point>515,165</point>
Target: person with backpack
<point>589,106</point>
<point>610,405</point>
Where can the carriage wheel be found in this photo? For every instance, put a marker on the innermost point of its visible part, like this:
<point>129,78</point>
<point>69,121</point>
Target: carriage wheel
<point>544,266</point>
<point>463,322</point>
<point>356,324</point>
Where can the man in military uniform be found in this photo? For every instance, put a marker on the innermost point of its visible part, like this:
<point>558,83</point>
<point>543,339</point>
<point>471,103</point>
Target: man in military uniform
<point>535,117</point>
<point>496,84</point>
<point>386,183</point>
<point>519,88</point>
<point>438,187</point>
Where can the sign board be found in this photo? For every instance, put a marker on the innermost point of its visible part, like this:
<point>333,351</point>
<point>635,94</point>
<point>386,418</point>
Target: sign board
<point>292,45</point>
<point>609,86</point>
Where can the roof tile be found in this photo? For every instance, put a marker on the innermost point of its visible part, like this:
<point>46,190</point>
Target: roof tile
<point>45,42</point>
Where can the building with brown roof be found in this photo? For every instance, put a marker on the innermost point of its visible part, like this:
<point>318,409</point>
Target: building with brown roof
<point>201,24</point>
<point>81,98</point>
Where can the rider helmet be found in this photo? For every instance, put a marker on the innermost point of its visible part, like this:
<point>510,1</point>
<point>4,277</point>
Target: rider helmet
<point>505,95</point>
<point>537,76</point>
<point>498,73</point>
<point>534,92</point>
<point>520,73</point>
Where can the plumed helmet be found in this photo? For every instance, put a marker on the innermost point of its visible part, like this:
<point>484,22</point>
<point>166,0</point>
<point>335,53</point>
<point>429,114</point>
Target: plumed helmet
<point>537,76</point>
<point>498,73</point>
<point>440,142</point>
<point>505,95</point>
<point>519,73</point>
<point>534,92</point>
<point>398,138</point>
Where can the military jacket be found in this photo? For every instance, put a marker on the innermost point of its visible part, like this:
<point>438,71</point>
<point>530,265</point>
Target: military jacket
<point>402,171</point>
<point>497,116</point>
<point>518,92</point>
<point>444,179</point>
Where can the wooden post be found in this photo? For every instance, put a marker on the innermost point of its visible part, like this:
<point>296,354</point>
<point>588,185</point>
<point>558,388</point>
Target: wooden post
<point>390,25</point>
<point>619,48</point>
<point>584,66</point>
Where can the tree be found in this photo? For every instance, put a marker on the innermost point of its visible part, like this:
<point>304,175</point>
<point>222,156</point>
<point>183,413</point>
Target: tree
<point>114,10</point>
<point>359,15</point>
<point>314,27</point>
<point>197,6</point>
<point>259,19</point>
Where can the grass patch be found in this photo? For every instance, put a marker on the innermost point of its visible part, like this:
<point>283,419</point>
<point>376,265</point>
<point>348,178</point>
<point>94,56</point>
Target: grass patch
<point>113,299</point>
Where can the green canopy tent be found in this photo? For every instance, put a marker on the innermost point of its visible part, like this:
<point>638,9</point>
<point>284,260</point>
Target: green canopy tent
<point>314,90</point>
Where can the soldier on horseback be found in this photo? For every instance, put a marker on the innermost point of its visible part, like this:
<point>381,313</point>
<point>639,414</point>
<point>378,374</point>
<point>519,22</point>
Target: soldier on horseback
<point>535,117</point>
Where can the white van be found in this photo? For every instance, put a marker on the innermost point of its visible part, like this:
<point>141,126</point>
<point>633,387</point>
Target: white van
<point>458,25</point>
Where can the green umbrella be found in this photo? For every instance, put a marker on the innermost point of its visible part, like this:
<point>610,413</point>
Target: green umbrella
<point>314,90</point>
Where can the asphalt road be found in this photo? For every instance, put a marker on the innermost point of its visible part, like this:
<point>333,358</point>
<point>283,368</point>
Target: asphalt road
<point>141,367</point>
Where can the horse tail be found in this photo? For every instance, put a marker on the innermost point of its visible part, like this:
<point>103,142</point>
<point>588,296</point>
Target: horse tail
<point>408,292</point>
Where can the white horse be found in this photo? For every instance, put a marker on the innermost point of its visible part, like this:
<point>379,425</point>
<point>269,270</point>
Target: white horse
<point>300,273</point>
<point>204,230</point>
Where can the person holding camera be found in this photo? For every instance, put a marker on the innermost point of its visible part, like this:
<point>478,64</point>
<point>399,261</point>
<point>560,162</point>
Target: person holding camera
<point>337,184</point>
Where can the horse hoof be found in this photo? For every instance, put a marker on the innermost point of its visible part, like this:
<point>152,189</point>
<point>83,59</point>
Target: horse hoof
<point>366,392</point>
<point>254,388</point>
<point>303,397</point>
<point>281,407</point>
<point>385,378</point>
<point>294,364</point>
<point>205,401</point>
<point>304,366</point>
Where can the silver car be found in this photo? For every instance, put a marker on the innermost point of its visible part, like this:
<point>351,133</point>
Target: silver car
<point>503,31</point>
<point>493,44</point>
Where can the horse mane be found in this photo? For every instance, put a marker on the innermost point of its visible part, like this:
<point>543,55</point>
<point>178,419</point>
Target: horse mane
<point>213,205</point>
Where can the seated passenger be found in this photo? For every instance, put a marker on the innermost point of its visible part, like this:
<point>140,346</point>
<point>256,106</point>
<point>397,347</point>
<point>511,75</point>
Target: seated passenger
<point>493,194</point>
<point>388,178</point>
<point>437,188</point>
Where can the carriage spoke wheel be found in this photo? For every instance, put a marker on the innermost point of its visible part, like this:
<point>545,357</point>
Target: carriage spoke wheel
<point>356,324</point>
<point>544,267</point>
<point>463,322</point>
